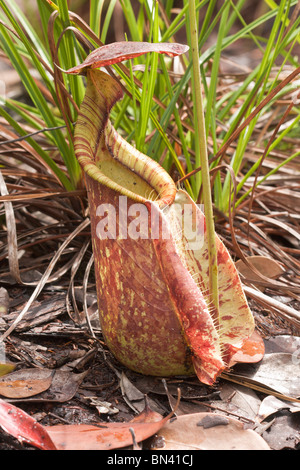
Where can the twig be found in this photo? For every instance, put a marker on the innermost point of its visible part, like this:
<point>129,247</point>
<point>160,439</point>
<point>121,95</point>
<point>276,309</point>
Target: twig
<point>135,444</point>
<point>266,300</point>
<point>85,282</point>
<point>24,137</point>
<point>217,408</point>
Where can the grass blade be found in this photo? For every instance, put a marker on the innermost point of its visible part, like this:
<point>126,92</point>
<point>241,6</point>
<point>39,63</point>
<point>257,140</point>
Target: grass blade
<point>200,134</point>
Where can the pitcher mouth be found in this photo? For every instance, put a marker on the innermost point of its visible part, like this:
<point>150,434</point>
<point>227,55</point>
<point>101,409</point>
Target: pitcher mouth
<point>131,174</point>
<point>109,159</point>
<point>142,169</point>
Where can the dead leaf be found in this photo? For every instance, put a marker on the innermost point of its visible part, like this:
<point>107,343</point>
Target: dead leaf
<point>284,432</point>
<point>103,407</point>
<point>283,343</point>
<point>207,431</point>
<point>4,308</point>
<point>40,313</point>
<point>128,389</point>
<point>271,405</point>
<point>266,266</point>
<point>277,372</point>
<point>242,401</point>
<point>107,436</point>
<point>64,385</point>
<point>134,398</point>
<point>20,425</point>
<point>25,383</point>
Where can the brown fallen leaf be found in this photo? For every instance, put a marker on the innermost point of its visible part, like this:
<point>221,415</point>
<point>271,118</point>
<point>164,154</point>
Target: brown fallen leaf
<point>277,374</point>
<point>243,402</point>
<point>62,387</point>
<point>134,397</point>
<point>283,343</point>
<point>25,383</point>
<point>266,266</point>
<point>270,405</point>
<point>107,436</point>
<point>284,434</point>
<point>207,431</point>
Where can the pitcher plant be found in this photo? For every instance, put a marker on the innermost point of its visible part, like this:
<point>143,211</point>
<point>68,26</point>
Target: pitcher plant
<point>151,249</point>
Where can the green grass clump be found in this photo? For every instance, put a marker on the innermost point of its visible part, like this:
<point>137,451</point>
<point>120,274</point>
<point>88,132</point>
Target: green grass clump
<point>159,113</point>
